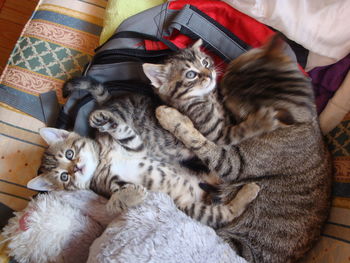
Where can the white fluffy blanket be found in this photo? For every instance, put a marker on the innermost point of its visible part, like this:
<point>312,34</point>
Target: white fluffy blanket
<point>155,231</point>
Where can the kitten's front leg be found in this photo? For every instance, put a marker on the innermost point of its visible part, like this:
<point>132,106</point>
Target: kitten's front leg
<point>107,121</point>
<point>263,121</point>
<point>224,161</point>
<point>128,195</point>
<point>181,127</point>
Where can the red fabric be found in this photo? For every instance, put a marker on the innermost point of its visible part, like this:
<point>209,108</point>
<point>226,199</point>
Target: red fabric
<point>250,31</point>
<point>244,27</point>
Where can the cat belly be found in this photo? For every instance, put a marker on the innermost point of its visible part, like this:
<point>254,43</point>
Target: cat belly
<point>173,180</point>
<point>127,170</point>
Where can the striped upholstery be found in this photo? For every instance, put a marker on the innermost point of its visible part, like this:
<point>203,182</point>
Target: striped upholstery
<point>55,44</point>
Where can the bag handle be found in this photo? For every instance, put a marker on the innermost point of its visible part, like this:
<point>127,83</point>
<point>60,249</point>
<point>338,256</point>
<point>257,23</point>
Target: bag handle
<point>191,20</point>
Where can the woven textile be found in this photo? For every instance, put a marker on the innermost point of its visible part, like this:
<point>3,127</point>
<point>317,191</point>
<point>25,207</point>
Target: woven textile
<point>56,43</point>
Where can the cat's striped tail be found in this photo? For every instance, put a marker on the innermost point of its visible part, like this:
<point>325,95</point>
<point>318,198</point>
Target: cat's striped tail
<point>98,91</point>
<point>218,215</point>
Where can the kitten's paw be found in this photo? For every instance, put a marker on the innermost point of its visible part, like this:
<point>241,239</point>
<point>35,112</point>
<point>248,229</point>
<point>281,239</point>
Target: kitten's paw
<point>266,119</point>
<point>115,205</point>
<point>103,120</point>
<point>243,198</point>
<point>249,192</point>
<point>129,195</point>
<point>171,119</point>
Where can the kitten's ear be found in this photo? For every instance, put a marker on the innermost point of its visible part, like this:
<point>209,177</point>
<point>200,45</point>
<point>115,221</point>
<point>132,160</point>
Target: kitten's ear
<point>156,74</point>
<point>197,44</point>
<point>52,135</point>
<point>275,46</point>
<point>40,183</point>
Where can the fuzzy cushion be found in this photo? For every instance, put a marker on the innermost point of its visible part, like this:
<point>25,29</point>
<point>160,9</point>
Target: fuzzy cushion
<point>158,232</point>
<point>57,226</point>
<point>61,226</point>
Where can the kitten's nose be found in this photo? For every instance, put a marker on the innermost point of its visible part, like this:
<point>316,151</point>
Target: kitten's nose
<point>76,168</point>
<point>207,73</point>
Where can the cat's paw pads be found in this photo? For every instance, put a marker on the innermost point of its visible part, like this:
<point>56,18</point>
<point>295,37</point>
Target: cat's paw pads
<point>103,120</point>
<point>266,119</point>
<point>129,195</point>
<point>171,119</point>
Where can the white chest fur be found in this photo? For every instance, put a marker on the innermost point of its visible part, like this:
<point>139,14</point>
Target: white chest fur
<point>125,164</point>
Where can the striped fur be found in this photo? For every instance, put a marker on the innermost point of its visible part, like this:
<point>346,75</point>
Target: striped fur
<point>291,164</point>
<point>198,98</point>
<point>135,113</point>
<point>125,157</point>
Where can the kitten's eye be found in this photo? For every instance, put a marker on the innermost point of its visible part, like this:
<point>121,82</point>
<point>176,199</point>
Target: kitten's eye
<point>191,74</point>
<point>69,154</point>
<point>205,63</point>
<point>64,176</point>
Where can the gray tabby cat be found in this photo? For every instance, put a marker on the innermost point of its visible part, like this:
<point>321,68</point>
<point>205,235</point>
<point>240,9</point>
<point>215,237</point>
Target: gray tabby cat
<point>187,81</point>
<point>125,156</point>
<point>291,164</point>
<point>74,162</point>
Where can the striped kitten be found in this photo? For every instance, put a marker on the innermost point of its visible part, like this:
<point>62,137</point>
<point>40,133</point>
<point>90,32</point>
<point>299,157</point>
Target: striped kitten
<point>291,164</point>
<point>122,173</point>
<point>124,157</point>
<point>187,81</point>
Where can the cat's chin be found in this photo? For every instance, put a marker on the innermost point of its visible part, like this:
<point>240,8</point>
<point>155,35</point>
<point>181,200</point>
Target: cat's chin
<point>211,86</point>
<point>208,89</point>
<point>86,171</point>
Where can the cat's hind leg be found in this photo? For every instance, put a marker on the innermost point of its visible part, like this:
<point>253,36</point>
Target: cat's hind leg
<point>218,215</point>
<point>128,195</point>
<point>263,121</point>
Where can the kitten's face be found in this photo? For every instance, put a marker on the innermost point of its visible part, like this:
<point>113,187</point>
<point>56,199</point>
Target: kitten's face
<point>69,162</point>
<point>189,73</point>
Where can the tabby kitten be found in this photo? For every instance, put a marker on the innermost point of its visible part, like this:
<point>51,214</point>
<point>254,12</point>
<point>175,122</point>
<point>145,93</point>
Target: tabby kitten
<point>121,174</point>
<point>187,81</point>
<point>291,164</point>
<point>136,113</point>
<point>125,156</point>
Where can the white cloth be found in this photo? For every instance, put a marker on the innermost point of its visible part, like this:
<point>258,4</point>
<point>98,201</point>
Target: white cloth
<point>320,26</point>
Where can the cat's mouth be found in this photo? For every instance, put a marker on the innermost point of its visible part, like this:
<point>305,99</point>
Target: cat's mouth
<point>79,168</point>
<point>211,85</point>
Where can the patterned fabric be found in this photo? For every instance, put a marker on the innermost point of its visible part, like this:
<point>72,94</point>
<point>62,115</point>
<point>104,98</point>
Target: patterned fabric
<point>55,45</point>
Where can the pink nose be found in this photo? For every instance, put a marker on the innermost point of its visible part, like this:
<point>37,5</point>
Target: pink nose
<point>76,168</point>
